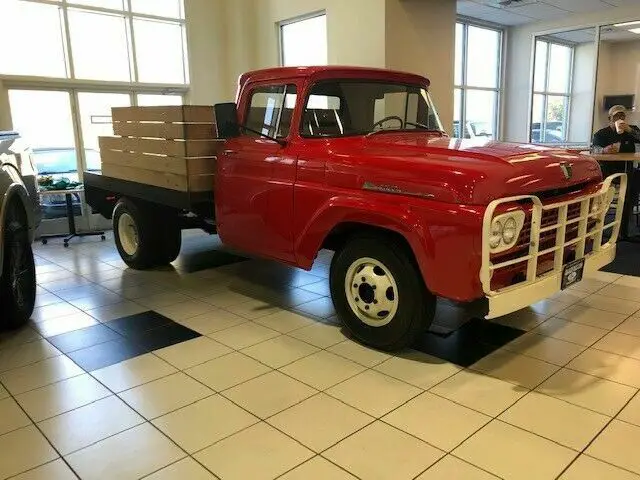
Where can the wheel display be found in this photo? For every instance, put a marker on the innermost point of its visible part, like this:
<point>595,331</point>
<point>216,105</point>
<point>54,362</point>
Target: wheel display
<point>379,294</point>
<point>18,281</point>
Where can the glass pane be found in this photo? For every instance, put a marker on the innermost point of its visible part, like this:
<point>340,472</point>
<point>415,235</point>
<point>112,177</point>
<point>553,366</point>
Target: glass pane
<point>33,40</point>
<point>113,4</point>
<point>271,110</point>
<point>559,68</point>
<point>556,120</point>
<point>483,57</point>
<point>540,71</point>
<point>161,8</point>
<point>99,46</point>
<point>305,42</point>
<point>480,113</point>
<point>157,100</point>
<point>95,120</point>
<point>459,53</point>
<point>159,51</point>
<point>457,112</point>
<point>44,120</point>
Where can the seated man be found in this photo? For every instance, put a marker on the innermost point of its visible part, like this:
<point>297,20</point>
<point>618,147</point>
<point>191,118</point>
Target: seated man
<point>613,142</point>
<point>608,140</point>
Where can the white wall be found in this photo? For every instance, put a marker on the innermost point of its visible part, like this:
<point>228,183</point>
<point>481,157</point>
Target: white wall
<point>618,74</point>
<point>519,51</point>
<point>582,92</point>
<point>5,116</point>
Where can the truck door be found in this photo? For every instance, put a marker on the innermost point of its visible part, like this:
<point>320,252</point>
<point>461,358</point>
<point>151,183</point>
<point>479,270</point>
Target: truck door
<point>254,188</point>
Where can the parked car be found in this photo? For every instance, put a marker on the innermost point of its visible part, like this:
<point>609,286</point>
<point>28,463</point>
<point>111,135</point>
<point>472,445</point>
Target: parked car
<point>551,136</point>
<point>59,164</point>
<point>19,217</point>
<point>410,214</point>
<point>472,129</point>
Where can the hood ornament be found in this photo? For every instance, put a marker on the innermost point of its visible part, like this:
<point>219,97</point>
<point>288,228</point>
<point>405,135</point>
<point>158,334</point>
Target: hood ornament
<point>567,170</point>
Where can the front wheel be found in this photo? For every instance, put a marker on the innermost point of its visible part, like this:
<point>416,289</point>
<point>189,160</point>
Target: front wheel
<point>18,281</point>
<point>379,294</point>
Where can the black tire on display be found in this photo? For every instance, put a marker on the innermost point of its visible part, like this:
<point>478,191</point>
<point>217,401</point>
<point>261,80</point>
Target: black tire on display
<point>18,281</point>
<point>137,235</point>
<point>171,242</point>
<point>377,272</point>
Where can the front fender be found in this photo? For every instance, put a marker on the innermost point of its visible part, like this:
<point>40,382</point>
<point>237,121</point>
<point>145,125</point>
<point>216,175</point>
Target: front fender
<point>12,186</point>
<point>398,216</point>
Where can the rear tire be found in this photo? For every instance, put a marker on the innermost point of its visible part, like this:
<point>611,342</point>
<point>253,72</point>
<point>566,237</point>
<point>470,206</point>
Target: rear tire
<point>171,243</point>
<point>379,294</point>
<point>18,281</point>
<point>136,236</point>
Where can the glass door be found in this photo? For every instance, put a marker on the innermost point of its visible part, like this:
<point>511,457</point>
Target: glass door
<point>44,119</point>
<point>94,111</point>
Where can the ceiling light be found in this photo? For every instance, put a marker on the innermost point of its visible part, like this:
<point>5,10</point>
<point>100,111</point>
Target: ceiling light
<point>626,24</point>
<point>635,30</point>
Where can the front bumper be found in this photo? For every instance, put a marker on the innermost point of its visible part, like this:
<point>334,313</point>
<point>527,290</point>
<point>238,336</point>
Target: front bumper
<point>586,242</point>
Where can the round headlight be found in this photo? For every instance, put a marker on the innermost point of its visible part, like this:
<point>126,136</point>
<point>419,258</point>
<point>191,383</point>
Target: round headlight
<point>496,234</point>
<point>509,231</point>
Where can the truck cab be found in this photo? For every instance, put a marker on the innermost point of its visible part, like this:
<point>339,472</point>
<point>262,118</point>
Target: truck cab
<point>356,161</point>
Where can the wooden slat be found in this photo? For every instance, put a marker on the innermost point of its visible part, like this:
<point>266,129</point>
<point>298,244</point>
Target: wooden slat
<point>184,183</point>
<point>170,131</point>
<point>172,148</point>
<point>174,113</point>
<point>158,163</point>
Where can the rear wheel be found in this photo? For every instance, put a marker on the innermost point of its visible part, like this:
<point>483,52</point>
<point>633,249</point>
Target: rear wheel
<point>379,294</point>
<point>18,281</point>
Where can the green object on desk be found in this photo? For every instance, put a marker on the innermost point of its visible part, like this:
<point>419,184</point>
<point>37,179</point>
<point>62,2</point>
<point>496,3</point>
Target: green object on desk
<point>47,183</point>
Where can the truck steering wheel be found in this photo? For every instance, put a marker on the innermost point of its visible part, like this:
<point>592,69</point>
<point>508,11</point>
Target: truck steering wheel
<point>386,119</point>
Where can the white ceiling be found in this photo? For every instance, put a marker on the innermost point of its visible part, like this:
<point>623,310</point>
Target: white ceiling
<point>527,11</point>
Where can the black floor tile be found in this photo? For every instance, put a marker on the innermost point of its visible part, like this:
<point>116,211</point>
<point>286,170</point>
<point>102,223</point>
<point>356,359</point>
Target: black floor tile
<point>107,354</point>
<point>164,336</point>
<point>83,338</point>
<point>139,323</point>
<point>473,341</point>
<point>627,260</point>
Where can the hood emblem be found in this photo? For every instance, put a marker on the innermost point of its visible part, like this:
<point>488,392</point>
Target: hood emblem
<point>567,170</point>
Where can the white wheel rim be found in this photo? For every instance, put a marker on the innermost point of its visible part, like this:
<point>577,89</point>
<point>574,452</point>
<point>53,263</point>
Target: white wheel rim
<point>128,234</point>
<point>372,292</point>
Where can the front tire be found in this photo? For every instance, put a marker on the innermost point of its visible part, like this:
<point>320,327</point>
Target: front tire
<point>18,281</point>
<point>379,294</point>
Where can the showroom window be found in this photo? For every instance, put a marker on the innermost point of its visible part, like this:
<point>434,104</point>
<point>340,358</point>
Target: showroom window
<point>105,40</point>
<point>478,72</point>
<point>551,92</point>
<point>303,41</point>
<point>69,63</point>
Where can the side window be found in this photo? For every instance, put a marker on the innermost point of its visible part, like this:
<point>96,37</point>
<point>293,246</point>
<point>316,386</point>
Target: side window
<point>271,109</point>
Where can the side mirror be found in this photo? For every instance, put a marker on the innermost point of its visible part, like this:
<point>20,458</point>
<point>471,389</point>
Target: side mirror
<point>227,120</point>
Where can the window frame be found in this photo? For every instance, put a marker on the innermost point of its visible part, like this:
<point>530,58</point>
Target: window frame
<point>546,93</point>
<point>464,87</point>
<point>287,86</point>
<point>290,21</point>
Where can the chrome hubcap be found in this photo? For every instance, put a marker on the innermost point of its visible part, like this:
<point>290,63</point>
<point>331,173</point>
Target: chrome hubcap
<point>128,234</point>
<point>371,291</point>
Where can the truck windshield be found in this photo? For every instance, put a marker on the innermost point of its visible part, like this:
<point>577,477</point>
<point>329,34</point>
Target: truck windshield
<point>348,107</point>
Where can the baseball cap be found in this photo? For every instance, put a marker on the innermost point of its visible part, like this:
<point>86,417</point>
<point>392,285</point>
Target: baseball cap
<point>617,109</point>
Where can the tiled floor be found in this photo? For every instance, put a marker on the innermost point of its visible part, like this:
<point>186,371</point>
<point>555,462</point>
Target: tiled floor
<point>244,373</point>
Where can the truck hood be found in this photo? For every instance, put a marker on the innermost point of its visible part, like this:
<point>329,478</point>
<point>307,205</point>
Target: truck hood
<point>473,172</point>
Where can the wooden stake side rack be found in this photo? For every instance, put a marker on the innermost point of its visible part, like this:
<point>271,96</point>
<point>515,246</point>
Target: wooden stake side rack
<point>173,147</point>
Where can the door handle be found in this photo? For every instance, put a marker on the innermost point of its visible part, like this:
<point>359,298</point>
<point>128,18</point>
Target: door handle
<point>230,152</point>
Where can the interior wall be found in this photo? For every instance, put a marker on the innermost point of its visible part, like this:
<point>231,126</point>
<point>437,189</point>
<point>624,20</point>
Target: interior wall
<point>582,92</point>
<point>420,38</point>
<point>519,61</point>
<point>5,115</point>
<point>618,74</point>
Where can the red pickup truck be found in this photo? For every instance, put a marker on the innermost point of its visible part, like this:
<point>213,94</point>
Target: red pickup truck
<point>356,161</point>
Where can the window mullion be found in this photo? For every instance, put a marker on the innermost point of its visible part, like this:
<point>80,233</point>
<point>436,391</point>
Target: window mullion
<point>66,39</point>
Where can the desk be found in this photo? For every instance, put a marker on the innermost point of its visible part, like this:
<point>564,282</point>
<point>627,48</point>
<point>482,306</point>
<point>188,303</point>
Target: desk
<point>628,159</point>
<point>68,196</point>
